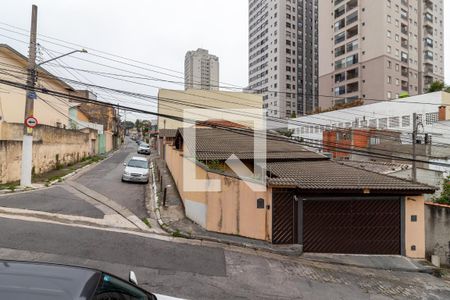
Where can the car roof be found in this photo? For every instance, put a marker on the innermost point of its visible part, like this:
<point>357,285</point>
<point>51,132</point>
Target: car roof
<point>138,158</point>
<point>32,280</point>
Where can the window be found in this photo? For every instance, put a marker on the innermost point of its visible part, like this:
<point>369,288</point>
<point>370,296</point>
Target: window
<point>374,140</point>
<point>406,121</point>
<point>394,122</point>
<point>431,118</point>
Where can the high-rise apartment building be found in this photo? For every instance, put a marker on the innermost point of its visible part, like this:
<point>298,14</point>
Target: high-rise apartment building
<point>283,55</point>
<point>379,49</point>
<point>201,70</point>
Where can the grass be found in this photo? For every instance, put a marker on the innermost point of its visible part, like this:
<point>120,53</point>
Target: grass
<point>145,220</point>
<point>9,186</point>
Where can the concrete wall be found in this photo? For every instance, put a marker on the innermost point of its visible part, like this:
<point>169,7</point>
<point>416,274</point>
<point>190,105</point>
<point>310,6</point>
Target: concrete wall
<point>415,230</point>
<point>51,147</point>
<point>231,211</point>
<point>430,177</point>
<point>437,225</point>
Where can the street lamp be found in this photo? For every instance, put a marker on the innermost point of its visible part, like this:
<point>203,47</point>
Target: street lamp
<point>67,54</point>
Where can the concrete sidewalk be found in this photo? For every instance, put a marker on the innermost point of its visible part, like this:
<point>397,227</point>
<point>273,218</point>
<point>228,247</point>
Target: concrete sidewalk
<point>381,262</point>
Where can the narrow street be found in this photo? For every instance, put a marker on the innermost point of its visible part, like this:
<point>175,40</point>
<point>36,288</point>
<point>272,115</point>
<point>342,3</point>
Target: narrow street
<point>182,268</point>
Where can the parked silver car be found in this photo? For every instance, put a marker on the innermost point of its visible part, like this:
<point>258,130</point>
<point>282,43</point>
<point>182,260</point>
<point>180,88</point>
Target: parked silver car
<point>136,170</point>
<point>143,149</point>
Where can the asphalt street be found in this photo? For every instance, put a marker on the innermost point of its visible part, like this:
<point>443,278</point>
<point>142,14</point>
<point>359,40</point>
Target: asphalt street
<point>105,179</point>
<point>58,199</point>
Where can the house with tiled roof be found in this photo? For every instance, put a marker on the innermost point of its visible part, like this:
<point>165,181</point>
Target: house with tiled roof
<point>284,194</point>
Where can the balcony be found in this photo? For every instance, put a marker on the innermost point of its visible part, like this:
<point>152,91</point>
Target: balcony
<point>352,87</point>
<point>404,29</point>
<point>405,71</point>
<point>405,86</point>
<point>428,4</point>
<point>351,5</point>
<point>428,68</point>
<point>428,29</point>
<point>404,43</point>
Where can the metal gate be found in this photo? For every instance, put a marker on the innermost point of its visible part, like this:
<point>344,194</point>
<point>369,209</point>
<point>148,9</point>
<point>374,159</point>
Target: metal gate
<point>352,226</point>
<point>284,218</point>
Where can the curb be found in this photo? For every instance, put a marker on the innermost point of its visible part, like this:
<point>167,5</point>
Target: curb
<point>177,233</point>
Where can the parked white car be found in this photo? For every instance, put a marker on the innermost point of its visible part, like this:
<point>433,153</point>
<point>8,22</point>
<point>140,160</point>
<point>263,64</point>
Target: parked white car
<point>136,170</point>
<point>143,149</point>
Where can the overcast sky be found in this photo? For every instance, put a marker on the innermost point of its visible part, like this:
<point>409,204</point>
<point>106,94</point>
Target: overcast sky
<point>157,32</point>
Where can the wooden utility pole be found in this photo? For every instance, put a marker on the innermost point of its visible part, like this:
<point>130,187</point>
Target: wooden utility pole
<point>414,142</point>
<point>27,145</point>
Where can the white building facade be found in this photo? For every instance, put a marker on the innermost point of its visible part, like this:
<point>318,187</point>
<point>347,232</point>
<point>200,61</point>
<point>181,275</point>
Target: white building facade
<point>433,111</point>
<point>201,70</point>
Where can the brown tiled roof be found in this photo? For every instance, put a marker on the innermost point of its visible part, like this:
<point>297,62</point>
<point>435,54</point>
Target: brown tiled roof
<point>330,176</point>
<point>220,144</point>
<point>170,133</point>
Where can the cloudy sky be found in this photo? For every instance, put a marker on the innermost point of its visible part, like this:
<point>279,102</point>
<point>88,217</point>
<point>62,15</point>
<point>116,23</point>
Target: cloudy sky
<point>155,32</point>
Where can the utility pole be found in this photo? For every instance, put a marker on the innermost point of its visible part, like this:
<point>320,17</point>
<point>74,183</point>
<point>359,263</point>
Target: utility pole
<point>414,142</point>
<point>27,145</point>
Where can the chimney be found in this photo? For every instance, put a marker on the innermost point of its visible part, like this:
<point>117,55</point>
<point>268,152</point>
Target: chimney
<point>442,113</point>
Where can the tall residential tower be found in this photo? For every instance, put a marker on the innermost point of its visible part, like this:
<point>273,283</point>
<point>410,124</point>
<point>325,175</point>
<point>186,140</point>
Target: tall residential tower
<point>377,50</point>
<point>283,55</point>
<point>201,70</point>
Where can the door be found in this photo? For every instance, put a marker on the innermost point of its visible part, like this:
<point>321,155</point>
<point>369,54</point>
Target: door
<point>352,226</point>
<point>284,218</point>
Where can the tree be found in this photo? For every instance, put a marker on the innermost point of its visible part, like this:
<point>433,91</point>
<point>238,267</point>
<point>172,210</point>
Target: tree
<point>404,95</point>
<point>138,125</point>
<point>128,125</point>
<point>293,115</point>
<point>436,86</point>
<point>445,195</point>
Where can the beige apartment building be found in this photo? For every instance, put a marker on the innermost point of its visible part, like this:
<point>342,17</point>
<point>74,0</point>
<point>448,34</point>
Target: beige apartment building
<point>201,70</point>
<point>283,55</point>
<point>379,50</point>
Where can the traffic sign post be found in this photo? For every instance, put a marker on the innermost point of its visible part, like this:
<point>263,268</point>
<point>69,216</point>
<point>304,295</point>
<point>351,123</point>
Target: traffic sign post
<point>31,122</point>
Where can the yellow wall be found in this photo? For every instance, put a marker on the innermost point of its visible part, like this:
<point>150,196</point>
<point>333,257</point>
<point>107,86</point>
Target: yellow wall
<point>12,100</point>
<point>415,231</point>
<point>231,211</point>
<point>109,141</point>
<point>211,99</point>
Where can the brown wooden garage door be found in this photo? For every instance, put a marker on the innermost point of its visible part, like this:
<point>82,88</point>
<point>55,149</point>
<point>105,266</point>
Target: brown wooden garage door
<point>352,226</point>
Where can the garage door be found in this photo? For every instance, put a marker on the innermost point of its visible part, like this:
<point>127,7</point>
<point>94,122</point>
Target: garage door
<point>352,226</point>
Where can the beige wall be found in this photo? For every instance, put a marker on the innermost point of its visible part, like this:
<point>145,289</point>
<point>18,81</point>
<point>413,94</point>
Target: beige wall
<point>209,99</point>
<point>415,231</point>
<point>51,147</point>
<point>12,100</point>
<point>109,144</point>
<point>231,211</point>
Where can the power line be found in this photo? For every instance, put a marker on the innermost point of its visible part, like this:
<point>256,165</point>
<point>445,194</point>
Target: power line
<point>147,97</point>
<point>82,99</point>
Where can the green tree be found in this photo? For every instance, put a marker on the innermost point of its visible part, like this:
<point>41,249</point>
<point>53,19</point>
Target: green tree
<point>293,115</point>
<point>404,95</point>
<point>436,86</point>
<point>138,125</point>
<point>445,195</point>
<point>128,125</point>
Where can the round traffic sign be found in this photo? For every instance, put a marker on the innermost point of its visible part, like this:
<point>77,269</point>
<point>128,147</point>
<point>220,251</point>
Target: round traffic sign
<point>31,122</point>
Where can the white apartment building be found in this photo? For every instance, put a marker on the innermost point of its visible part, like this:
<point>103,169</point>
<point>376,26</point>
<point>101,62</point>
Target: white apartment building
<point>433,111</point>
<point>379,49</point>
<point>201,70</point>
<point>283,55</point>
